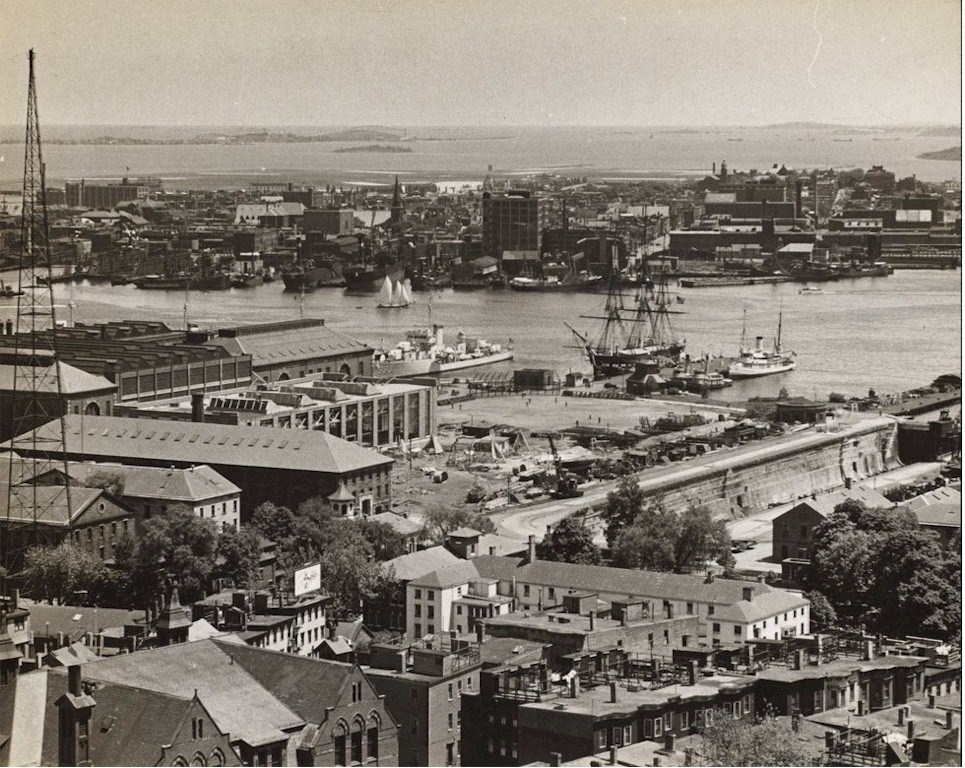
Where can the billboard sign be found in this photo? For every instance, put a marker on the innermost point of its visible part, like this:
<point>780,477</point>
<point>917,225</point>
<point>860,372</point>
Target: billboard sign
<point>308,579</point>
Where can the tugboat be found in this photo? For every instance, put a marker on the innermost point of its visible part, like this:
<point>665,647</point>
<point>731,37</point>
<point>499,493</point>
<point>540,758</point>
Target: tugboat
<point>760,362</point>
<point>368,277</point>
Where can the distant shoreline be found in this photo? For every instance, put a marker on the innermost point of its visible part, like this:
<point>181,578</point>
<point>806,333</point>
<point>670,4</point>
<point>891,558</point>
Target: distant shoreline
<point>952,153</point>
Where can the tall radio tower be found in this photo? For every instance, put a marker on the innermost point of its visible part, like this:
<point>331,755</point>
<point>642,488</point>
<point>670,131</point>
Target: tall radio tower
<point>35,514</point>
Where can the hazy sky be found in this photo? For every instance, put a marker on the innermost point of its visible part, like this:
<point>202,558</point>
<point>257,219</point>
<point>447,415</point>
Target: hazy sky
<point>484,62</point>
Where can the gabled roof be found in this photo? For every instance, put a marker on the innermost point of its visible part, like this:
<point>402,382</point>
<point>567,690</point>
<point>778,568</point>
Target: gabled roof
<point>52,499</point>
<point>761,607</point>
<point>401,525</point>
<point>76,621</point>
<point>287,342</point>
<point>73,381</point>
<point>306,686</point>
<point>416,564</point>
<point>460,572</point>
<point>464,533</point>
<point>192,484</point>
<point>187,443</point>
<point>239,704</point>
<point>947,514</point>
<point>75,653</point>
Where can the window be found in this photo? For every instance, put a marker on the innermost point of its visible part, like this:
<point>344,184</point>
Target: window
<point>418,629</point>
<point>449,721</point>
<point>431,629</point>
<point>616,737</point>
<point>668,721</point>
<point>690,609</point>
<point>357,746</point>
<point>414,695</point>
<point>418,594</point>
<point>657,727</point>
<point>648,728</point>
<point>450,691</point>
<point>430,595</point>
<point>684,641</point>
<point>666,636</point>
<point>340,749</point>
<point>627,734</point>
<point>418,611</point>
<point>710,610</point>
<point>601,739</point>
<point>431,612</point>
<point>469,683</point>
<point>684,721</point>
<point>525,590</point>
<point>458,610</point>
<point>737,630</point>
<point>716,626</point>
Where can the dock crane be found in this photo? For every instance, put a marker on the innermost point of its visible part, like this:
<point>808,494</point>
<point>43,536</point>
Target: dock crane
<point>566,482</point>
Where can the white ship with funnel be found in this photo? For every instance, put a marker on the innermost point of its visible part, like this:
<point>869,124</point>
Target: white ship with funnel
<point>759,361</point>
<point>425,352</point>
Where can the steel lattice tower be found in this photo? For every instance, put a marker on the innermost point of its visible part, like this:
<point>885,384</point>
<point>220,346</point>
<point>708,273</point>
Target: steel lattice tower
<point>35,514</point>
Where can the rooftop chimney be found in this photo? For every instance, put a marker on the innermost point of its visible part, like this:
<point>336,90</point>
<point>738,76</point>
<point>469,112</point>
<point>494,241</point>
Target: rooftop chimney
<point>911,728</point>
<point>931,700</point>
<point>73,680</point>
<point>532,548</point>
<point>949,719</point>
<point>710,577</point>
<point>556,759</point>
<point>901,715</point>
<point>861,707</point>
<point>613,692</point>
<point>197,407</point>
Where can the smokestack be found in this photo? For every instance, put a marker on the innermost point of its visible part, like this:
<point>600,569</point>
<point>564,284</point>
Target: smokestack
<point>623,617</point>
<point>949,719</point>
<point>911,729</point>
<point>797,197</point>
<point>613,693</point>
<point>197,407</point>
<point>532,548</point>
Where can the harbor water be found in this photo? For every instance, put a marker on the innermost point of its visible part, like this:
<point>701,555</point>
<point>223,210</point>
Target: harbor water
<point>886,333</point>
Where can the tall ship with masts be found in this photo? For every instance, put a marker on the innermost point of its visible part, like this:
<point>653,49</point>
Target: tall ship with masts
<point>630,334</point>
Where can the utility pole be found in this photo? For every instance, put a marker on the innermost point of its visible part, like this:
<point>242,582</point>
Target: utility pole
<point>35,511</point>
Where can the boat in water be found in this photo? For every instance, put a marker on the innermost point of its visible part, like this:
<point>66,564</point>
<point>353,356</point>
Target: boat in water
<point>394,295</point>
<point>632,334</point>
<point>580,282</point>
<point>246,279</point>
<point>425,352</point>
<point>810,289</point>
<point>214,281</point>
<point>369,276</point>
<point>759,361</point>
<point>309,274</point>
<point>701,379</point>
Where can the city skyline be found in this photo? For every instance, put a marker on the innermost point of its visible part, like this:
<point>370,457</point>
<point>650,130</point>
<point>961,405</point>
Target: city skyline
<point>654,63</point>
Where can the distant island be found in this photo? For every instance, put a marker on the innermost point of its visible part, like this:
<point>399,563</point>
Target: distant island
<point>375,148</point>
<point>249,137</point>
<point>952,153</point>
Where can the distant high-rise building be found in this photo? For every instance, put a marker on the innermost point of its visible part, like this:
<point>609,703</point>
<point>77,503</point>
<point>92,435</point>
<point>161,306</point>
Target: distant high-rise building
<point>513,222</point>
<point>81,194</point>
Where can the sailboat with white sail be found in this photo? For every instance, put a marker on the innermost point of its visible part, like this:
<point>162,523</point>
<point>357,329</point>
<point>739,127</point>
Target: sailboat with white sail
<point>395,294</point>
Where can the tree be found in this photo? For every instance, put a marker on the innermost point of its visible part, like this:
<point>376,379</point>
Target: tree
<point>823,615</point>
<point>877,567</point>
<point>239,553</point>
<point>762,741</point>
<point>385,541</point>
<point>440,521</point>
<point>178,543</point>
<point>571,541</point>
<point>112,482</point>
<point>659,540</point>
<point>58,573</point>
<point>623,504</point>
<point>699,538</point>
<point>273,522</point>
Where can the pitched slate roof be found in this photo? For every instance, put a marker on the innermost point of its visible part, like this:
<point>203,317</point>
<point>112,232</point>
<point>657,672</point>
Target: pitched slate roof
<point>75,621</point>
<point>460,572</point>
<point>306,686</point>
<point>196,483</point>
<point>239,704</point>
<point>401,525</point>
<point>425,561</point>
<point>940,513</point>
<point>53,500</point>
<point>181,443</point>
<point>73,381</point>
<point>287,342</point>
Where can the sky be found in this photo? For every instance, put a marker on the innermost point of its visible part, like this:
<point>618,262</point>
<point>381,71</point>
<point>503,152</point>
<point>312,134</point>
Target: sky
<point>483,62</point>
